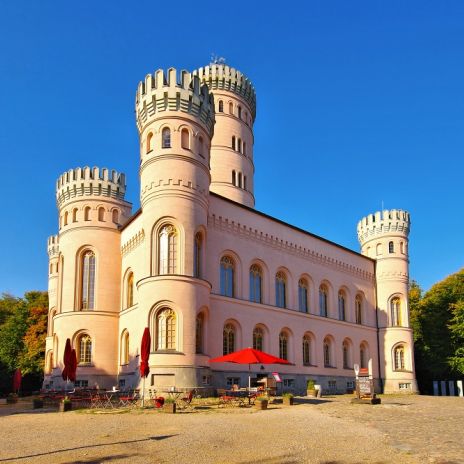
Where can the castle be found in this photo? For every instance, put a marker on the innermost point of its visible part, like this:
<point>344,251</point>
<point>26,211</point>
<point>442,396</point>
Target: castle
<point>206,272</point>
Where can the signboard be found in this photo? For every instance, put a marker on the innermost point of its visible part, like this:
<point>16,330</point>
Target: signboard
<point>364,386</point>
<point>276,377</point>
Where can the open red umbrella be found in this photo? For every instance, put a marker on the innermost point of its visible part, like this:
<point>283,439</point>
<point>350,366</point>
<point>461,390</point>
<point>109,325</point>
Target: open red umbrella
<point>250,356</point>
<point>144,355</point>
<point>17,380</point>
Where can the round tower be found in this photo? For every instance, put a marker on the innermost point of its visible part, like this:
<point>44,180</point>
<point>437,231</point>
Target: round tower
<point>91,210</point>
<point>232,167</point>
<point>175,120</point>
<point>384,237</point>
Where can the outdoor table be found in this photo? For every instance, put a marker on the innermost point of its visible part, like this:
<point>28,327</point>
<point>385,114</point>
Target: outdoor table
<point>108,398</point>
<point>173,393</point>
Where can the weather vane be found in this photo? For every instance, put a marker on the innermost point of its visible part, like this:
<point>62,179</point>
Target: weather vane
<point>215,59</point>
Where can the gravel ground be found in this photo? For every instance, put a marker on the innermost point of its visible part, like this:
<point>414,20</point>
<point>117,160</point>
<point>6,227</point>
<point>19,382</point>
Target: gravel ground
<point>406,429</point>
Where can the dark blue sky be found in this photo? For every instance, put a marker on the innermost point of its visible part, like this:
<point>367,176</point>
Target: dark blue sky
<point>358,103</point>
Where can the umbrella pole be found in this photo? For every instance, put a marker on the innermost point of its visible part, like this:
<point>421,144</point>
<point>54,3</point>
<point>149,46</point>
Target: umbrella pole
<point>249,377</point>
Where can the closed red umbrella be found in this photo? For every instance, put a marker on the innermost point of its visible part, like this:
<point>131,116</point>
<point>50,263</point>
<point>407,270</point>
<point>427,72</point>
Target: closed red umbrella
<point>17,377</point>
<point>144,355</point>
<point>66,360</point>
<point>72,365</point>
<point>250,356</point>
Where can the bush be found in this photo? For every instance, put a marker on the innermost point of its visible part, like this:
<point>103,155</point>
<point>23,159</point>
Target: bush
<point>310,384</point>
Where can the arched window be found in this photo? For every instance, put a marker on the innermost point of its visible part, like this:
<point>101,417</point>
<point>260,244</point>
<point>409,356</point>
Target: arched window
<point>199,334</point>
<point>396,312</point>
<point>358,309</point>
<point>130,290</point>
<point>391,247</point>
<point>84,347</point>
<point>221,106</point>
<point>149,146</point>
<point>362,357</point>
<point>87,280</point>
<point>167,246</point>
<point>74,215</point>
<point>201,148</point>
<point>303,295</point>
<point>185,139</point>
<point>231,108</point>
<point>239,145</point>
<point>166,330</point>
<point>256,280</point>
<point>240,180</point>
<point>401,248</point>
<point>283,345</point>
<point>244,147</point>
<point>244,182</point>
<point>280,289</point>
<point>234,177</point>
<point>346,355</point>
<point>101,214</point>
<point>87,213</point>
<point>378,249</point>
<point>399,358</point>
<point>228,339</point>
<point>115,216</point>
<point>227,276</point>
<point>341,306</point>
<point>307,350</point>
<point>258,337</point>
<point>197,255</point>
<point>125,347</point>
<point>166,138</point>
<point>233,142</point>
<point>65,218</point>
<point>327,357</point>
<point>323,301</point>
<point>239,111</point>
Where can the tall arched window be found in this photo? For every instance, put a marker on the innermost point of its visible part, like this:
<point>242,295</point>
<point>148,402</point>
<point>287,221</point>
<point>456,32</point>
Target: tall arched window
<point>399,358</point>
<point>362,357</point>
<point>234,177</point>
<point>280,289</point>
<point>227,276</point>
<point>256,279</point>
<point>303,295</point>
<point>258,337</point>
<point>149,146</point>
<point>167,246</point>
<point>323,301</point>
<point>396,312</point>
<point>115,216</point>
<point>306,350</point>
<point>244,148</point>
<point>197,250</point>
<point>166,330</point>
<point>101,214</point>
<point>391,247</point>
<point>231,108</point>
<point>346,355</point>
<point>199,334</point>
<point>239,111</point>
<point>341,306</point>
<point>84,347</point>
<point>228,339</point>
<point>283,345</point>
<point>221,106</point>
<point>125,347</point>
<point>166,138</point>
<point>130,290</point>
<point>378,249</point>
<point>233,142</point>
<point>65,218</point>
<point>201,147</point>
<point>74,215</point>
<point>239,145</point>
<point>88,280</point>
<point>240,180</point>
<point>185,139</point>
<point>358,309</point>
<point>327,357</point>
<point>401,248</point>
<point>87,213</point>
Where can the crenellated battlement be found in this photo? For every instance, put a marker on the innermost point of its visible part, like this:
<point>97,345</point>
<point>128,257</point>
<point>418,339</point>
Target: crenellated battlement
<point>80,182</point>
<point>383,222</point>
<point>221,77</point>
<point>173,91</point>
<point>53,246</point>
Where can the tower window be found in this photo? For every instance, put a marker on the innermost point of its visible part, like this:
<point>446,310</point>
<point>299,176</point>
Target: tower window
<point>101,214</point>
<point>221,106</point>
<point>240,180</point>
<point>231,108</point>
<point>166,138</point>
<point>233,142</point>
<point>234,178</point>
<point>185,139</point>
<point>244,148</point>
<point>391,248</point>
<point>244,182</point>
<point>149,146</point>
<point>239,145</point>
<point>87,213</point>
<point>396,313</point>
<point>74,215</point>
<point>167,250</point>
<point>88,280</point>
<point>240,112</point>
<point>115,216</point>
<point>201,148</point>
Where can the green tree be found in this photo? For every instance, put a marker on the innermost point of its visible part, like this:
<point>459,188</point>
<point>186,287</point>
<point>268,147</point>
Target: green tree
<point>456,327</point>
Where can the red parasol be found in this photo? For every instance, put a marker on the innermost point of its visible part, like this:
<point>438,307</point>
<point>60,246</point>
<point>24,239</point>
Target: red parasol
<point>144,355</point>
<point>72,368</point>
<point>250,356</point>
<point>17,380</point>
<point>66,360</point>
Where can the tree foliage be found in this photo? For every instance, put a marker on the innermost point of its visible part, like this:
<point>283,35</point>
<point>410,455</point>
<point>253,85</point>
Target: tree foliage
<point>437,318</point>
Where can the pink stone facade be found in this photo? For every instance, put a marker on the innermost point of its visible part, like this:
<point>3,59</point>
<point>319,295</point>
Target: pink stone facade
<point>206,272</point>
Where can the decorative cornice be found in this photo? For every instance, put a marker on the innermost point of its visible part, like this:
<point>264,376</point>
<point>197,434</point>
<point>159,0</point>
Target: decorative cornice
<point>133,242</point>
<point>250,233</point>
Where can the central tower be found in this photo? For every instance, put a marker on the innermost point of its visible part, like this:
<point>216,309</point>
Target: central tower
<point>232,167</point>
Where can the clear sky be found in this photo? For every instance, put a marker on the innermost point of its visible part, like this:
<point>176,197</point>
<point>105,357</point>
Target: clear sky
<point>359,103</point>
